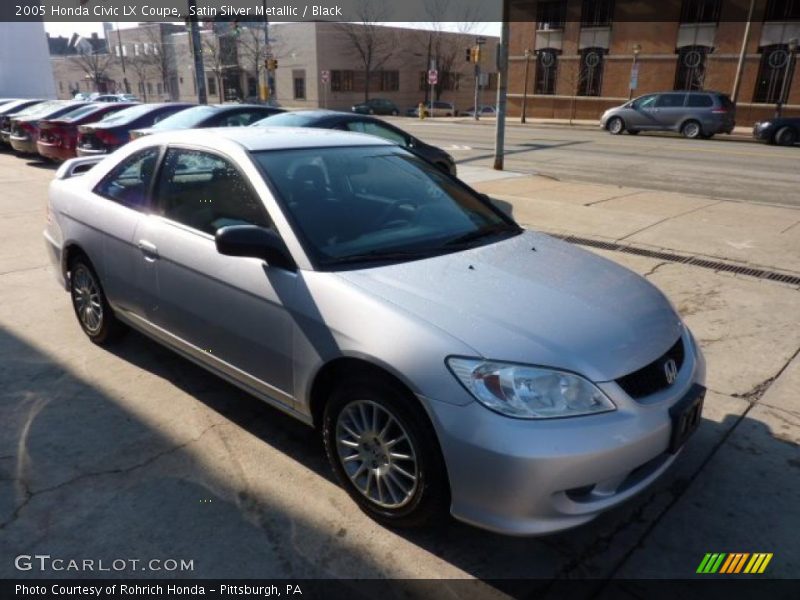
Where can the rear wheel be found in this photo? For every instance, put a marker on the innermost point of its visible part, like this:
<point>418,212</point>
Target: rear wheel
<point>691,130</point>
<point>615,126</point>
<point>786,136</point>
<point>384,451</point>
<point>90,305</point>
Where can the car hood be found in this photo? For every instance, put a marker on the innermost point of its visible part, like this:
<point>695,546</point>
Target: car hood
<point>535,300</point>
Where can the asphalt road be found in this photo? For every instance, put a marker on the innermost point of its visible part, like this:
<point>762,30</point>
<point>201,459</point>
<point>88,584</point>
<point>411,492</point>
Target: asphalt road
<point>725,167</point>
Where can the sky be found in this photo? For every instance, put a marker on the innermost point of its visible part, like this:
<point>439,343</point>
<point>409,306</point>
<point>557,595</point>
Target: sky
<point>87,28</point>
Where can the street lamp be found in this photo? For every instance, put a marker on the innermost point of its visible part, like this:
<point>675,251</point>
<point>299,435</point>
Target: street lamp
<point>634,82</point>
<point>528,54</point>
<point>784,97</point>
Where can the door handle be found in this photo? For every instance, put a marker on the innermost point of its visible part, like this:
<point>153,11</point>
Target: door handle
<point>148,249</point>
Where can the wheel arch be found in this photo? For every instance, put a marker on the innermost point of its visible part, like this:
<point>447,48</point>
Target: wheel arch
<point>71,251</point>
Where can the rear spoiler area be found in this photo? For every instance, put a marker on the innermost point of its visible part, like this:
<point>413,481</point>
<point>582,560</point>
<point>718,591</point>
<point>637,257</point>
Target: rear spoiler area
<point>77,166</point>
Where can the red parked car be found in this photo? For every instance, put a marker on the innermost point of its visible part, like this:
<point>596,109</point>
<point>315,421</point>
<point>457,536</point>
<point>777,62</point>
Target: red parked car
<point>58,138</point>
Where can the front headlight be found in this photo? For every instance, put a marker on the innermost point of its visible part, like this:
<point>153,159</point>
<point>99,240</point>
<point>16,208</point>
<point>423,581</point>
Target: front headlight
<point>529,392</point>
<point>764,124</point>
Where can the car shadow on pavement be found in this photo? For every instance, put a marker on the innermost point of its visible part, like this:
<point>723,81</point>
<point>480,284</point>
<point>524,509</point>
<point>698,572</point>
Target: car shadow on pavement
<point>42,164</point>
<point>81,473</point>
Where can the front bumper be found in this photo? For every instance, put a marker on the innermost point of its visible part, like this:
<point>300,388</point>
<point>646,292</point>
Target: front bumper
<point>523,477</point>
<point>761,132</point>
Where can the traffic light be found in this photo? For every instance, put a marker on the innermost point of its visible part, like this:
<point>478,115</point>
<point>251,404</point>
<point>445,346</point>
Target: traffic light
<point>476,54</point>
<point>270,64</point>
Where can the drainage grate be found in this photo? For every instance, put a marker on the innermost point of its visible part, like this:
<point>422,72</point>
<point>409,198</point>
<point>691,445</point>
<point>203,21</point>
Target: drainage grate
<point>714,265</point>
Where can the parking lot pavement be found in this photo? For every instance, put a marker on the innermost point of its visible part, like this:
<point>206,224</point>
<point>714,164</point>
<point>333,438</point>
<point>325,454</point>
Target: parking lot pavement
<point>132,452</point>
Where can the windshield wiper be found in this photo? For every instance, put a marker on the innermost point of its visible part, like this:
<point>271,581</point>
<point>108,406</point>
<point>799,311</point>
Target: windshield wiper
<point>381,256</point>
<point>482,233</point>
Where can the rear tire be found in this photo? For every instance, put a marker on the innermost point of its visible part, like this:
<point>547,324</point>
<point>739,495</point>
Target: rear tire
<point>691,130</point>
<point>786,136</point>
<point>399,484</point>
<point>615,126</point>
<point>89,302</point>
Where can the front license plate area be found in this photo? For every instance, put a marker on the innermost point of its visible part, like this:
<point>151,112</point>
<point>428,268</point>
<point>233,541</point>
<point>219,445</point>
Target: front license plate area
<point>685,417</point>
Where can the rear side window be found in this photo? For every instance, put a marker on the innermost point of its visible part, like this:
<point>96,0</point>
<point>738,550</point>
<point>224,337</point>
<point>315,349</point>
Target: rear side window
<point>129,182</point>
<point>726,102</point>
<point>700,101</point>
<point>670,100</point>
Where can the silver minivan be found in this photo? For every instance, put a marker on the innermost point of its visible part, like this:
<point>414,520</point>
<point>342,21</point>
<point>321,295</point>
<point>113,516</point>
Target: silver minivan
<point>692,114</point>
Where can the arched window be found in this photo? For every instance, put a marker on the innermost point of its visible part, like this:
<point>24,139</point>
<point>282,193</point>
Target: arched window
<point>771,73</point>
<point>546,69</point>
<point>691,71</point>
<point>590,80</point>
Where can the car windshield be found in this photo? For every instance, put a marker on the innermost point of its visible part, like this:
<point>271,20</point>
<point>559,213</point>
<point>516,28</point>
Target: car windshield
<point>186,119</point>
<point>286,119</point>
<point>129,114</point>
<point>371,204</point>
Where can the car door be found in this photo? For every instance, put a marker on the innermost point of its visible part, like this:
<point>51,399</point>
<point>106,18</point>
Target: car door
<point>229,312</point>
<point>669,110</point>
<point>122,200</point>
<point>640,114</point>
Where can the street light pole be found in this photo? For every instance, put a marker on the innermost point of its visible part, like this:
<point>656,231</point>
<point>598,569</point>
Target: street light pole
<point>742,53</point>
<point>784,97</point>
<point>634,82</point>
<point>197,51</point>
<point>502,87</point>
<point>525,86</point>
<point>122,61</point>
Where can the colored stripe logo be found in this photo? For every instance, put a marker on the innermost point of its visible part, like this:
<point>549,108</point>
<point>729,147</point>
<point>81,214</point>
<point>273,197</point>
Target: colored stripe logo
<point>734,563</point>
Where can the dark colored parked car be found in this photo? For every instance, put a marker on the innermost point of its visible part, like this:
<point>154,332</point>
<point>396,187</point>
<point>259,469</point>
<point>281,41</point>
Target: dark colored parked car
<point>784,131</point>
<point>328,119</point>
<point>376,106</point>
<point>692,114</point>
<point>13,109</point>
<point>109,134</point>
<point>59,137</point>
<point>212,115</point>
<point>25,129</point>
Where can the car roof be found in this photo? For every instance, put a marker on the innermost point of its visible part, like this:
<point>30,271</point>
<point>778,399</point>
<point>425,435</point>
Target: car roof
<point>256,139</point>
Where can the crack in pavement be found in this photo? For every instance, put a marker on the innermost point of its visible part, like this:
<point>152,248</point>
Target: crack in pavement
<point>683,485</point>
<point>665,219</point>
<point>29,494</point>
<point>654,269</point>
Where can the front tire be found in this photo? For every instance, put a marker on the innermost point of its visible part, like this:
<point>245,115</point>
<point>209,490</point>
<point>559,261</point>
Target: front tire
<point>615,126</point>
<point>786,136</point>
<point>90,304</point>
<point>395,113</point>
<point>384,452</point>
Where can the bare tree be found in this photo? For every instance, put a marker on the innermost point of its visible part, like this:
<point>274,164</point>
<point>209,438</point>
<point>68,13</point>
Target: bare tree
<point>213,60</point>
<point>140,66</point>
<point>157,58</point>
<point>373,44</point>
<point>95,65</point>
<point>572,75</point>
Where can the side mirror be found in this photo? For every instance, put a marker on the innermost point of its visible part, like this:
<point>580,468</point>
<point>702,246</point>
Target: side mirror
<point>254,242</point>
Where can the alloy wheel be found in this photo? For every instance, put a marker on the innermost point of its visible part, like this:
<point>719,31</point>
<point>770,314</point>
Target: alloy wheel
<point>377,454</point>
<point>87,300</point>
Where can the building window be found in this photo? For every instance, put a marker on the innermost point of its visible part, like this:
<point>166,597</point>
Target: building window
<point>691,71</point>
<point>136,49</point>
<point>782,10</point>
<point>149,88</point>
<point>159,88</point>
<point>450,81</point>
<point>299,78</point>
<point>342,81</point>
<point>546,69</point>
<point>390,81</point>
<point>61,86</point>
<point>597,13</point>
<point>141,88</point>
<point>771,74</point>
<point>590,79</point>
<point>551,14</point>
<point>700,11</point>
<point>212,85</point>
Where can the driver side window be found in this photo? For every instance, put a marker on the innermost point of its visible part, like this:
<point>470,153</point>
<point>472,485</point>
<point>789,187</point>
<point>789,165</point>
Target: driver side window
<point>646,102</point>
<point>129,182</point>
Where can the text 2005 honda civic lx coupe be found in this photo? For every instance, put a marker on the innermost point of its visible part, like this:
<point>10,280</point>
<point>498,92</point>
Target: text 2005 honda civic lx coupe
<point>450,359</point>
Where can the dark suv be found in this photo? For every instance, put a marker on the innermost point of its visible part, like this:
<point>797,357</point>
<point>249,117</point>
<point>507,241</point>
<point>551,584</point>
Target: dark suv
<point>693,114</point>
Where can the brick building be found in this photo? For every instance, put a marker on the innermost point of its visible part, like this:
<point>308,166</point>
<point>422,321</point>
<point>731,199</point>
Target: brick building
<point>158,65</point>
<point>581,53</point>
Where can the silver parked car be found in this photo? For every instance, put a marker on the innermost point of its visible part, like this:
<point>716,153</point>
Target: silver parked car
<point>692,114</point>
<point>451,359</point>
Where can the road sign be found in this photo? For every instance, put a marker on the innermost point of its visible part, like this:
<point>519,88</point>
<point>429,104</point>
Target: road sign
<point>433,76</point>
<point>325,76</point>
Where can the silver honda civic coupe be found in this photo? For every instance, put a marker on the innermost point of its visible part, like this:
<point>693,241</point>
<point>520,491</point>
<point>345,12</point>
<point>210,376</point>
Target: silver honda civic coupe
<point>450,359</point>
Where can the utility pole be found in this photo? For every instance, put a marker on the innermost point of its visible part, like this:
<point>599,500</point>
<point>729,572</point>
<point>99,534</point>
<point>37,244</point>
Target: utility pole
<point>122,60</point>
<point>524,115</point>
<point>742,53</point>
<point>197,51</point>
<point>502,86</point>
<point>269,93</point>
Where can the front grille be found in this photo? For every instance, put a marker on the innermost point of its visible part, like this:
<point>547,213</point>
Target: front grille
<point>652,378</point>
